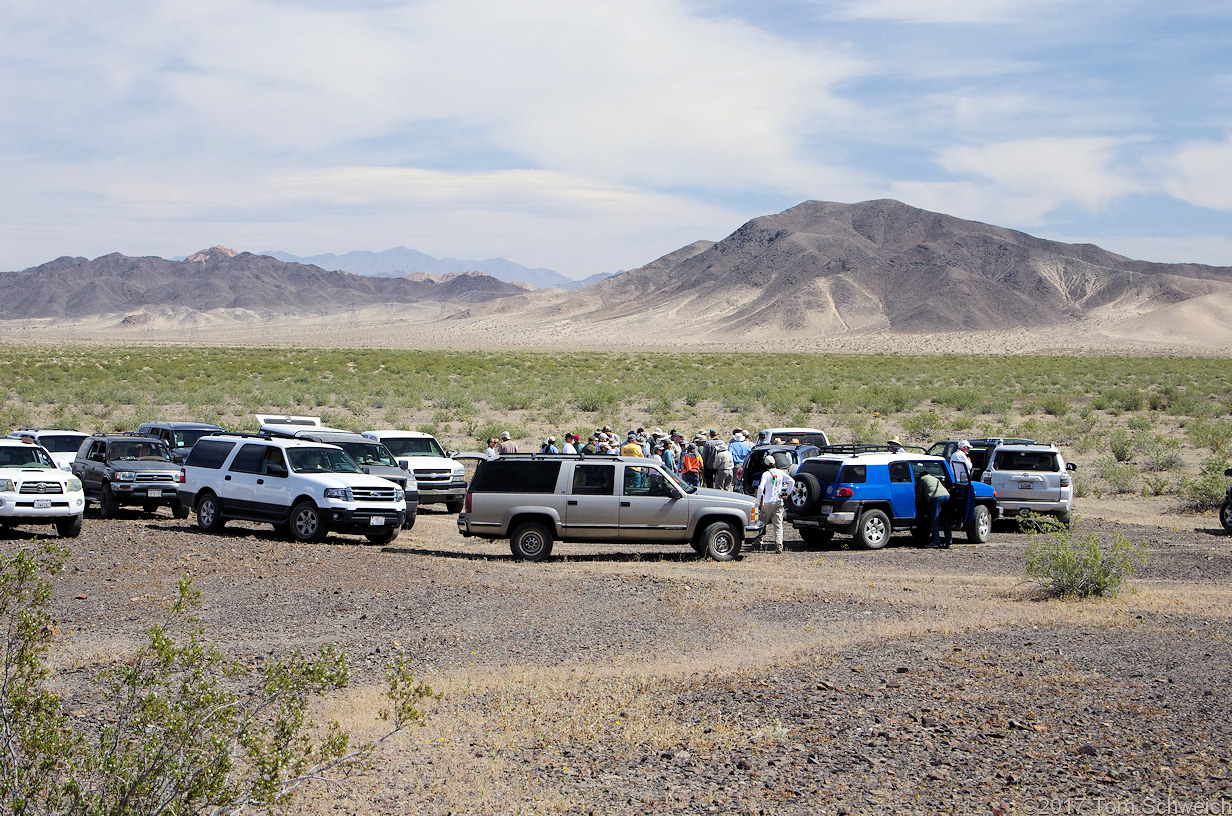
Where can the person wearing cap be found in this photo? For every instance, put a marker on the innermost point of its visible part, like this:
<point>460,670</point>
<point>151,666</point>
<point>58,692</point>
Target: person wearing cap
<point>691,466</point>
<point>775,484</point>
<point>591,448</point>
<point>549,446</point>
<point>724,467</point>
<point>960,462</point>
<point>570,446</point>
<point>739,448</point>
<point>507,445</point>
<point>631,447</point>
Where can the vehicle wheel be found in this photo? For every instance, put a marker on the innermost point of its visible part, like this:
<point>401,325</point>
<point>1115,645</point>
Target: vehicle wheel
<point>381,539</point>
<point>107,504</point>
<point>806,494</point>
<point>306,526</point>
<point>1225,515</point>
<point>531,542</point>
<point>68,527</point>
<point>722,541</point>
<point>873,530</point>
<point>980,526</point>
<point>455,505</point>
<point>208,517</point>
<point>1068,520</point>
<point>179,510</point>
<point>698,546</point>
<point>409,521</point>
<point>814,537</point>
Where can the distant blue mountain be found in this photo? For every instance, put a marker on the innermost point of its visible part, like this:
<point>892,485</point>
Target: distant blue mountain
<point>400,262</point>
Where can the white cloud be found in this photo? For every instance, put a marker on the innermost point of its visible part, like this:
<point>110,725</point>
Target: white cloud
<point>944,11</point>
<point>1199,173</point>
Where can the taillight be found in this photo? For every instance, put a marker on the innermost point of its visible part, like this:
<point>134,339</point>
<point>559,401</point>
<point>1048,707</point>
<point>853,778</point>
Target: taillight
<point>845,492</point>
<point>467,504</point>
<point>986,478</point>
<point>183,477</point>
<point>1064,480</point>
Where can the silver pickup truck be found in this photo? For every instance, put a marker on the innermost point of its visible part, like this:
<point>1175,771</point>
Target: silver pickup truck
<point>535,500</point>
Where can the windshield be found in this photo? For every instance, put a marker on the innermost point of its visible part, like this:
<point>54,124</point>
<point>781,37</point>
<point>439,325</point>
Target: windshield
<point>368,453</point>
<point>186,439</point>
<point>24,456</point>
<point>321,460</point>
<point>62,443</point>
<point>687,488</point>
<point>148,450</point>
<point>413,446</point>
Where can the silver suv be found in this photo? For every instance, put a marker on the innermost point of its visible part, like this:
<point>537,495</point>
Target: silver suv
<point>1032,478</point>
<point>535,500</point>
<point>303,488</point>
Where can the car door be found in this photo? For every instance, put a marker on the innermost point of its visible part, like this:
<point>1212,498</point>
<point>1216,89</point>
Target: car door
<point>592,507</point>
<point>651,506</point>
<point>238,486</point>
<point>271,492</point>
<point>902,490</point>
<point>92,467</point>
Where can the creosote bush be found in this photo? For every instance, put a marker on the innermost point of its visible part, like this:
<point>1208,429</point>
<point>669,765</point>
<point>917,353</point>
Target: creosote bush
<point>1067,564</point>
<point>178,728</point>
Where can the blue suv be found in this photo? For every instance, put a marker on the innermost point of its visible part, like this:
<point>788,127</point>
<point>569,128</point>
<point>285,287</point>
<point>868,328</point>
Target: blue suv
<point>868,491</point>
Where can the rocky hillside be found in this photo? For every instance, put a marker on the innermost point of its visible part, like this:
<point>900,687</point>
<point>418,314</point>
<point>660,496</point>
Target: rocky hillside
<point>825,269</point>
<point>219,278</point>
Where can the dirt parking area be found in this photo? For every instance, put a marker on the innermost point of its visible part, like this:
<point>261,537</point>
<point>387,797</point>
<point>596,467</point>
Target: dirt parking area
<point>641,679</point>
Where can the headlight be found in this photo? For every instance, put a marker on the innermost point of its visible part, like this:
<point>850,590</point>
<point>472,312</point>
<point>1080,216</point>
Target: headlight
<point>399,494</point>
<point>7,486</point>
<point>124,476</point>
<point>459,472</point>
<point>340,493</point>
<point>74,484</point>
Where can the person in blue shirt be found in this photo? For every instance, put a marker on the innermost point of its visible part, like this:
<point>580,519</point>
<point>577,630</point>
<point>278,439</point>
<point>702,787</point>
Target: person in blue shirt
<point>739,448</point>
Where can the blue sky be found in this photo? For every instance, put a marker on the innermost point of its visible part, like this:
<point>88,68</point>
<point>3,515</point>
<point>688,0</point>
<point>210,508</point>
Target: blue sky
<point>593,137</point>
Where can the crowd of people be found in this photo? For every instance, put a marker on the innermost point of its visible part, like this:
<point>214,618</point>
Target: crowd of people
<point>707,460</point>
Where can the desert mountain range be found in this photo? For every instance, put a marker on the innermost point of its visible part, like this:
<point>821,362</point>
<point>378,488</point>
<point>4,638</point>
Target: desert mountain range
<point>877,275</point>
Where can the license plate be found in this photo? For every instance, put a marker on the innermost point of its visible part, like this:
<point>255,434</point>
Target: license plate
<point>827,508</point>
<point>377,521</point>
<point>42,504</point>
<point>1025,486</point>
<point>154,493</point>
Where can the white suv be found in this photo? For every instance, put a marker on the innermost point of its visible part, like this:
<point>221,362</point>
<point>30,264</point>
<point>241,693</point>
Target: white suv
<point>440,478</point>
<point>1031,478</point>
<point>34,491</point>
<point>303,488</point>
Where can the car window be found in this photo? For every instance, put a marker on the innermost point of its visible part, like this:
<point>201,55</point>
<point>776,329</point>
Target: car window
<point>824,469</point>
<point>413,446</point>
<point>594,480</point>
<point>24,456</point>
<point>1042,461</point>
<point>900,471</point>
<point>368,453</point>
<point>273,463</point>
<point>188,438</point>
<point>138,450</point>
<point>321,460</point>
<point>516,476</point>
<point>933,466</point>
<point>249,459</point>
<point>646,481</point>
<point>209,453</point>
<point>854,474</point>
<point>61,443</point>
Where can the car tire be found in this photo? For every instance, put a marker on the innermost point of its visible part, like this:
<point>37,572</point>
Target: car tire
<point>307,527</point>
<point>1067,519</point>
<point>455,505</point>
<point>409,522</point>
<point>1225,515</point>
<point>179,510</point>
<point>68,527</point>
<point>209,515</point>
<point>806,494</point>
<point>815,537</point>
<point>382,539</point>
<point>980,526</point>
<point>873,530</point>
<point>722,541</point>
<point>107,504</point>
<point>531,542</point>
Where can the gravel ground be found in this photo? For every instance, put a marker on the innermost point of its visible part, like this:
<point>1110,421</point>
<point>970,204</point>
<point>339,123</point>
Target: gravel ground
<point>634,679</point>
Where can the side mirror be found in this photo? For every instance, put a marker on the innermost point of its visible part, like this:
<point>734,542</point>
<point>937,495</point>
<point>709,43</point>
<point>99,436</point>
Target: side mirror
<point>1228,472</point>
<point>451,454</point>
<point>273,469</point>
<point>1072,466</point>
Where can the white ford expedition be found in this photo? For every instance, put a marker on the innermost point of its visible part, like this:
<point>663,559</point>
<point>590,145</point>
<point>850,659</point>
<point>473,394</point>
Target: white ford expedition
<point>303,488</point>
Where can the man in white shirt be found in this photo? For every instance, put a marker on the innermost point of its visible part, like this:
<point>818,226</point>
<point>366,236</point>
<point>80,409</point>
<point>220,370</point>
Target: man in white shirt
<point>775,483</point>
<point>960,462</point>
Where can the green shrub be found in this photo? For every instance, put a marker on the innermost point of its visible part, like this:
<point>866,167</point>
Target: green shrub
<point>1207,491</point>
<point>178,728</point>
<point>1055,405</point>
<point>1156,484</point>
<point>1065,564</point>
<point>1121,445</point>
<point>1120,477</point>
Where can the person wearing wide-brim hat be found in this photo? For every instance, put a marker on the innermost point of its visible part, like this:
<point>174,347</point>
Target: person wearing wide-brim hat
<point>507,445</point>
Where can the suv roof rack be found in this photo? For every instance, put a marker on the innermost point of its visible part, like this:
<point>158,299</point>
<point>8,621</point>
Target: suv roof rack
<point>856,449</point>
<point>41,429</point>
<point>101,434</point>
<point>537,455</point>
